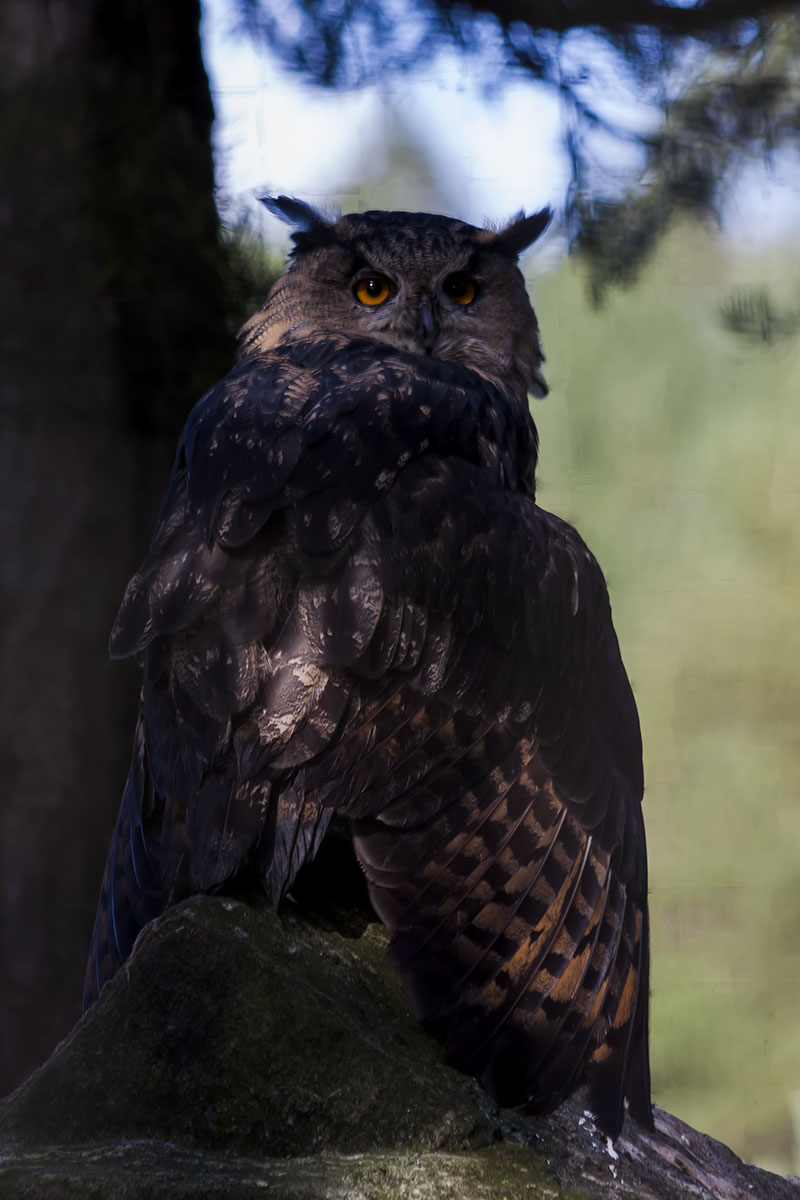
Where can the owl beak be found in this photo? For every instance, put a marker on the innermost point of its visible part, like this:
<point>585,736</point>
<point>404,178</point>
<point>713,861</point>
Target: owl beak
<point>426,325</point>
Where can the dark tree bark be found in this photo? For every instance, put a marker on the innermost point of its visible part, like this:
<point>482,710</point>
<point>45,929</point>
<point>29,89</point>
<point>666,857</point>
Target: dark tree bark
<point>112,321</point>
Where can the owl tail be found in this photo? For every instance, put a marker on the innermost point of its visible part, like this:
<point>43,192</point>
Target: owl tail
<point>626,1071</point>
<point>133,891</point>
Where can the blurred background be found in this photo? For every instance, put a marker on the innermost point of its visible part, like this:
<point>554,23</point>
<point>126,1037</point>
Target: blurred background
<point>134,139</point>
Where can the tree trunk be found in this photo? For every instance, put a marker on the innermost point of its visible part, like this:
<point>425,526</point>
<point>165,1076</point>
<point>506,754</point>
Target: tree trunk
<point>112,322</point>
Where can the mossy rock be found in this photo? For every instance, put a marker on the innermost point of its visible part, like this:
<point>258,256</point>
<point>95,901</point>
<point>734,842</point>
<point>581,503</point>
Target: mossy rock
<point>242,1052</point>
<point>240,1046</point>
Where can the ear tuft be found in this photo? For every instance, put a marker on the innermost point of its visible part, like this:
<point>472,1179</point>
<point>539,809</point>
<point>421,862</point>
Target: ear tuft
<point>312,228</point>
<point>293,212</point>
<point>522,232</point>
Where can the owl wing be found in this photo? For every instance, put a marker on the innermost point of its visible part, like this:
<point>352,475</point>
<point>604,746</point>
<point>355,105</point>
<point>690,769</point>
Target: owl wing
<point>496,794</point>
<point>352,604</point>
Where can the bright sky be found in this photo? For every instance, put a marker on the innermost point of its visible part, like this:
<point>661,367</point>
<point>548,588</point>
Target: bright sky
<point>275,134</point>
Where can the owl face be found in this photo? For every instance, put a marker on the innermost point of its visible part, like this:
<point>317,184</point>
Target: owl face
<point>421,283</point>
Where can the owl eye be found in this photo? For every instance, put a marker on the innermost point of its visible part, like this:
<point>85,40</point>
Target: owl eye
<point>372,290</point>
<point>459,287</point>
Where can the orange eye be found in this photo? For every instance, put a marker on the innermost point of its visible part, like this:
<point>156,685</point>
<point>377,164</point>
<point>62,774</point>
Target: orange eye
<point>459,287</point>
<point>373,290</point>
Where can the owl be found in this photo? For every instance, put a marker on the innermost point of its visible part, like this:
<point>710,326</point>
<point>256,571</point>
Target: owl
<point>355,621</point>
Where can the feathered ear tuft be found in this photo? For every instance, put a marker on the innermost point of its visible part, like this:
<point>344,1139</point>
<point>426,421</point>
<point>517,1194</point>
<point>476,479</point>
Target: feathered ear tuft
<point>522,232</point>
<point>293,212</point>
<point>312,228</point>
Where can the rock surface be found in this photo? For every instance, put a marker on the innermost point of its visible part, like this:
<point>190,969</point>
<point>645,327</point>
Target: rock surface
<point>246,1053</point>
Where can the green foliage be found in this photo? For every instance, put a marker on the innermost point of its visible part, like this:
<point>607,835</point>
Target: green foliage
<point>719,78</point>
<point>737,105</point>
<point>756,315</point>
<point>674,446</point>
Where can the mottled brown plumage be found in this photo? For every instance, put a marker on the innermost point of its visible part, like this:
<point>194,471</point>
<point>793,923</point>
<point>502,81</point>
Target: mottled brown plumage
<point>353,606</point>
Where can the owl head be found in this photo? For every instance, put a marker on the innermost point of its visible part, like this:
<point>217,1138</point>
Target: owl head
<point>418,282</point>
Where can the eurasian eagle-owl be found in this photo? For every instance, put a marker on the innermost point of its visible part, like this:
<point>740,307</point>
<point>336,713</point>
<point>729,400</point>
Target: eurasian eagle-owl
<point>353,609</point>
